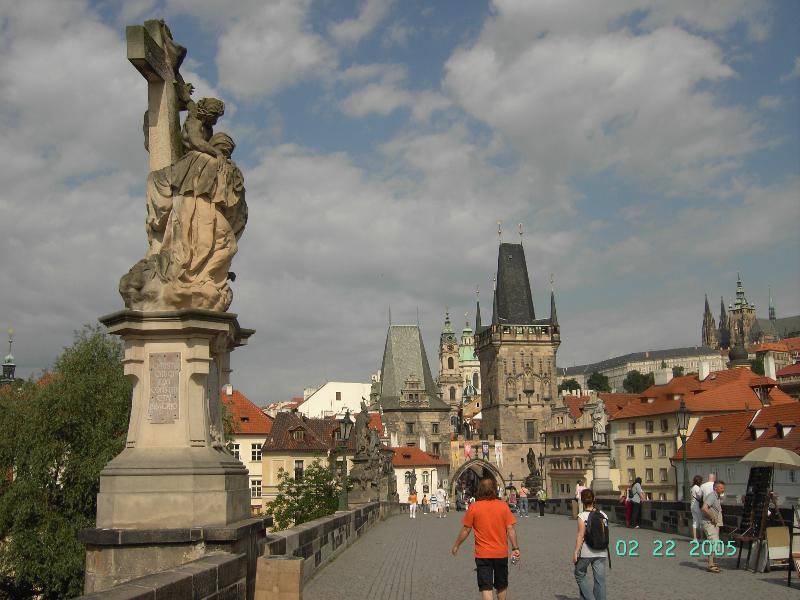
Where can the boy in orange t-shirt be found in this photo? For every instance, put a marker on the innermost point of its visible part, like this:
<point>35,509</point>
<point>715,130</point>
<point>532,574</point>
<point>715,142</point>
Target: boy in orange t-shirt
<point>493,524</point>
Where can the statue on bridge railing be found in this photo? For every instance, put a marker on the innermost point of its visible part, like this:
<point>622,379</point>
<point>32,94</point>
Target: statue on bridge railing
<point>599,423</point>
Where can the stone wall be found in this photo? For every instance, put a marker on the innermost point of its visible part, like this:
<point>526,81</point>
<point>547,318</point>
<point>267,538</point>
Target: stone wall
<point>669,517</point>
<point>219,576</point>
<point>294,556</point>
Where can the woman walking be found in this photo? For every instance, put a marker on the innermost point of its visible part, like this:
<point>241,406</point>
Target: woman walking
<point>637,497</point>
<point>696,506</point>
<point>412,504</point>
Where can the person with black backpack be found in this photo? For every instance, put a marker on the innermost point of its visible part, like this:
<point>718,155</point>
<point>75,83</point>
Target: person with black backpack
<point>591,548</point>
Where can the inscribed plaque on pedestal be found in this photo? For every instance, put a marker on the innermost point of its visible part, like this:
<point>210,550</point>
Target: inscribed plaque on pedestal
<point>165,368</point>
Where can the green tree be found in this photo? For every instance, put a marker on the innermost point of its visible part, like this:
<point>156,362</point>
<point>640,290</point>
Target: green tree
<point>677,371</point>
<point>315,495</point>
<point>569,384</point>
<point>598,382</point>
<point>57,434</point>
<point>757,364</point>
<point>635,382</point>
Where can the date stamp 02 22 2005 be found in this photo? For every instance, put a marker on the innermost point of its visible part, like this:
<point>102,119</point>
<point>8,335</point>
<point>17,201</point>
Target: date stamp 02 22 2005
<point>666,548</point>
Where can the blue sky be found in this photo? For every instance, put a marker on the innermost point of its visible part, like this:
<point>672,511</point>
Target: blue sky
<point>650,148</point>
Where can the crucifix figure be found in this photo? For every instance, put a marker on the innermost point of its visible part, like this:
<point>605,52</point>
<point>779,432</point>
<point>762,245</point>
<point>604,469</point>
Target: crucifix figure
<point>158,58</point>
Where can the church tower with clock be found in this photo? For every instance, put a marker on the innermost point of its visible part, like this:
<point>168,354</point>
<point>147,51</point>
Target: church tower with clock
<point>450,380</point>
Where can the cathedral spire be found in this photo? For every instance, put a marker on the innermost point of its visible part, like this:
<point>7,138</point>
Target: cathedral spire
<point>513,296</point>
<point>771,306</point>
<point>709,332</point>
<point>9,366</point>
<point>724,337</point>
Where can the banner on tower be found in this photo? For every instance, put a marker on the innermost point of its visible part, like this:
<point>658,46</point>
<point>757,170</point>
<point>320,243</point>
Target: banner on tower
<point>498,453</point>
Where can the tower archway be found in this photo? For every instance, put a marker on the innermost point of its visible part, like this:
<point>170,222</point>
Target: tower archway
<point>466,477</point>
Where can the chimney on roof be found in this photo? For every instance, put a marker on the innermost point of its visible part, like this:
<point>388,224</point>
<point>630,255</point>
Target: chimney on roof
<point>663,376</point>
<point>228,389</point>
<point>705,369</point>
<point>769,365</point>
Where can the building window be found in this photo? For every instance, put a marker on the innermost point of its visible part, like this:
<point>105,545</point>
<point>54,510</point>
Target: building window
<point>338,395</point>
<point>578,463</point>
<point>629,452</point>
<point>560,420</point>
<point>298,470</point>
<point>664,425</point>
<point>631,475</point>
<point>648,426</point>
<point>662,475</point>
<point>662,497</point>
<point>411,444</point>
<point>648,475</point>
<point>632,428</point>
<point>450,363</point>
<point>298,434</point>
<point>530,430</point>
<point>556,443</point>
<point>662,450</point>
<point>424,478</point>
<point>434,428</point>
<point>452,393</point>
<point>409,427</point>
<point>435,448</point>
<point>255,488</point>
<point>235,450</point>
<point>648,451</point>
<point>792,476</point>
<point>255,453</point>
<point>475,381</point>
<point>580,440</point>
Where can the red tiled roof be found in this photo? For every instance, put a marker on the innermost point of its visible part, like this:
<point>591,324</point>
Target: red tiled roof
<point>767,346</point>
<point>575,404</point>
<point>735,437</point>
<point>318,434</point>
<point>789,370</point>
<point>793,344</point>
<point>615,402</point>
<point>722,391</point>
<point>247,417</point>
<point>414,457</point>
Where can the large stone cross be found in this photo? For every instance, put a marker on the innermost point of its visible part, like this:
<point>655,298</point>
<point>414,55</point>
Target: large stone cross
<point>157,57</point>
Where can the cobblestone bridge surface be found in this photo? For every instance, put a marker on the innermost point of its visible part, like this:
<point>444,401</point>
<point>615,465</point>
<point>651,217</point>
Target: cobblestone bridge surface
<point>404,559</point>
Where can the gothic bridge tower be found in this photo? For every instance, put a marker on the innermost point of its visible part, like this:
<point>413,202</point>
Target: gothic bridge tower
<point>517,354</point>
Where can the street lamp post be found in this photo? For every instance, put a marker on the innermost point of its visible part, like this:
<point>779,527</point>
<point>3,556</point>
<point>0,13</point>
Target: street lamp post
<point>541,471</point>
<point>682,417</point>
<point>345,427</point>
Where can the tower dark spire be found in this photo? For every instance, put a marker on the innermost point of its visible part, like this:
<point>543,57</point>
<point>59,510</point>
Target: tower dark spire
<point>9,366</point>
<point>477,310</point>
<point>513,297</point>
<point>771,306</point>
<point>553,317</point>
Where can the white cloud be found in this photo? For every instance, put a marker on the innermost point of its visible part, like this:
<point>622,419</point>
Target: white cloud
<point>589,97</point>
<point>794,73</point>
<point>352,31</point>
<point>770,102</point>
<point>397,35</point>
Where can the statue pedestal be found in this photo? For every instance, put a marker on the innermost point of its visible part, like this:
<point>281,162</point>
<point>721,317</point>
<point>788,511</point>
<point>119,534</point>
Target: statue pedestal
<point>174,474</point>
<point>601,479</point>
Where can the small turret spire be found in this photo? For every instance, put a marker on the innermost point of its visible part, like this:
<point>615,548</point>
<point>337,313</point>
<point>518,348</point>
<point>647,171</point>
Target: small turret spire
<point>9,366</point>
<point>771,306</point>
<point>553,317</point>
<point>477,309</point>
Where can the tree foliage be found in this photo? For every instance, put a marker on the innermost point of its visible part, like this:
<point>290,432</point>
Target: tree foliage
<point>315,496</point>
<point>598,382</point>
<point>569,384</point>
<point>636,382</point>
<point>757,364</point>
<point>56,435</point>
<point>677,371</point>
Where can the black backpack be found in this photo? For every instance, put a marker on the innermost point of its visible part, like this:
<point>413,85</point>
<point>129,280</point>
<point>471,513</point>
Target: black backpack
<point>630,493</point>
<point>596,536</point>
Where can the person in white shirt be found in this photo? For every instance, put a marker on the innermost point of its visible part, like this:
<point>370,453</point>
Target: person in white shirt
<point>579,487</point>
<point>584,555</point>
<point>441,502</point>
<point>696,500</point>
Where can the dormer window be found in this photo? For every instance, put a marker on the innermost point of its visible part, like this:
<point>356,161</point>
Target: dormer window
<point>298,434</point>
<point>712,435</point>
<point>245,419</point>
<point>784,429</point>
<point>757,432</point>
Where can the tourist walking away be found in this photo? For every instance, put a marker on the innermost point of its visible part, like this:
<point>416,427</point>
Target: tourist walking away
<point>625,499</point>
<point>493,524</point>
<point>523,501</point>
<point>591,548</point>
<point>696,500</point>
<point>441,502</point>
<point>712,519</point>
<point>541,499</point>
<point>412,505</point>
<point>431,505</point>
<point>425,504</point>
<point>637,495</point>
<point>579,487</point>
<point>512,500</point>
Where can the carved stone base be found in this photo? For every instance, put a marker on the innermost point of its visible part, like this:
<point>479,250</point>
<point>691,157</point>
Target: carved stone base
<point>601,481</point>
<point>174,471</point>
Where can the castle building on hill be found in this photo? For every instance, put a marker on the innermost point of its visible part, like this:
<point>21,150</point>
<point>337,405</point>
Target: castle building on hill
<point>740,319</point>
